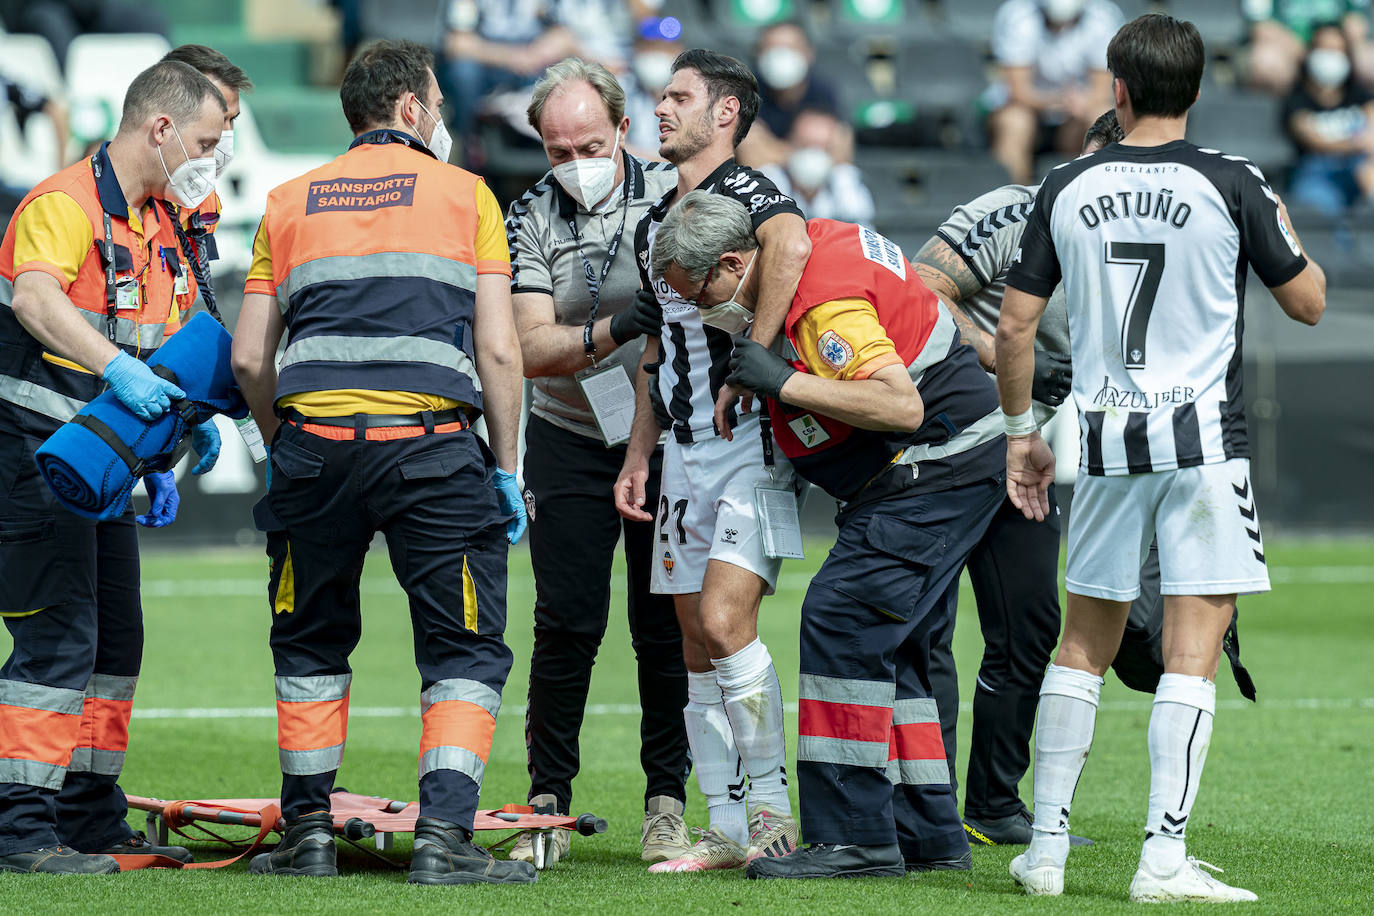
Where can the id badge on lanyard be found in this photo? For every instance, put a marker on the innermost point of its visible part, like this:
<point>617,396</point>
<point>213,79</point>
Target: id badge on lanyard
<point>612,399</point>
<point>779,521</point>
<point>252,437</point>
<point>776,506</point>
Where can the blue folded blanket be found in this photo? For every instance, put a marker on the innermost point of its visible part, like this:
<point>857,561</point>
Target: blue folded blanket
<point>93,461</point>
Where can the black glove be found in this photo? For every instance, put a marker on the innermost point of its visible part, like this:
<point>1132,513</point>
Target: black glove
<point>1053,378</point>
<point>758,369</point>
<point>644,316</point>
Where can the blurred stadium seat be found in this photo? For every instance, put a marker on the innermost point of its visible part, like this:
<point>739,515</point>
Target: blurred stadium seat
<point>99,70</point>
<point>1220,22</point>
<point>915,190</point>
<point>415,20</point>
<point>1243,124</point>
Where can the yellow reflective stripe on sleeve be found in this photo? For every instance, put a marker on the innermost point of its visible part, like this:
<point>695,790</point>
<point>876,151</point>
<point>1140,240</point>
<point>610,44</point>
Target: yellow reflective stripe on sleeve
<point>66,363</point>
<point>469,598</point>
<point>284,602</point>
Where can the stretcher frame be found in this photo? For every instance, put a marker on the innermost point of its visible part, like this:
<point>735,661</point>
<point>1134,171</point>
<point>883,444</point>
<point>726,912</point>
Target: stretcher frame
<point>356,817</point>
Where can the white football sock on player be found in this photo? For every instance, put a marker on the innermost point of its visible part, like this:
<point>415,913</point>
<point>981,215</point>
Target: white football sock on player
<point>1180,732</point>
<point>720,774</point>
<point>1064,726</point>
<point>753,701</point>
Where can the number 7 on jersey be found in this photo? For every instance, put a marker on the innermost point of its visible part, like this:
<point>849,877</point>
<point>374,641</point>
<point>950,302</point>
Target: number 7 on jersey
<point>1148,260</point>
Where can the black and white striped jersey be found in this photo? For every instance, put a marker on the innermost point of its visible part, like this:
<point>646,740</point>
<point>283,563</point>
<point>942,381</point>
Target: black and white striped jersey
<point>1152,245</point>
<point>694,359</point>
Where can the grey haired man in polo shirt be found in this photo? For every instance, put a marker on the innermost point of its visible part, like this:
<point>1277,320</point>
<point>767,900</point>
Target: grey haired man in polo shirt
<point>574,284</point>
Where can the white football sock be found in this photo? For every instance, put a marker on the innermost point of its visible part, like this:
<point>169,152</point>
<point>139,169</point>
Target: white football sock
<point>1180,731</point>
<point>720,775</point>
<point>753,701</point>
<point>1064,725</point>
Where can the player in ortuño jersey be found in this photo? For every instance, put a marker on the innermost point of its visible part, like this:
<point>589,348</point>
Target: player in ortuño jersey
<point>1151,238</point>
<point>710,539</point>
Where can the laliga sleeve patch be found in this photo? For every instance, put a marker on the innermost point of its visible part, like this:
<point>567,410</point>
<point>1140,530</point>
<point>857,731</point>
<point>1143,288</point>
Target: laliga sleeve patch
<point>835,350</point>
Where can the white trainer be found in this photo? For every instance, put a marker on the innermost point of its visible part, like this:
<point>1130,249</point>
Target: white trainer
<point>1041,880</point>
<point>771,833</point>
<point>713,851</point>
<point>664,833</point>
<point>1190,882</point>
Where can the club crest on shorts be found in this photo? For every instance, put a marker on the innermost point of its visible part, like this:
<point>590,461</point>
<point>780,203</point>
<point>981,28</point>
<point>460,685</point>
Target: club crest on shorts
<point>835,350</point>
<point>668,561</point>
<point>529,504</point>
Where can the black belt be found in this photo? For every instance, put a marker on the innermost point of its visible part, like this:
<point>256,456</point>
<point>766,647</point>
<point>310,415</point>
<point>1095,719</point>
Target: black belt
<point>426,418</point>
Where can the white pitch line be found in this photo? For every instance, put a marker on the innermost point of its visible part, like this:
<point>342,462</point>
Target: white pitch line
<point>630,709</point>
<point>254,587</point>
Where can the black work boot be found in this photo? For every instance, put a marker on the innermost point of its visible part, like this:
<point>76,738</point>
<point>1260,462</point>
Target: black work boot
<point>828,860</point>
<point>138,845</point>
<point>57,860</point>
<point>445,854</point>
<point>953,863</point>
<point>306,850</point>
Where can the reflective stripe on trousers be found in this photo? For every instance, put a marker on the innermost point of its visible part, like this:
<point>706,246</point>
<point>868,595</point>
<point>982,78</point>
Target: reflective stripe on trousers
<point>39,726</point>
<point>916,756</point>
<point>844,721</point>
<point>459,717</point>
<point>109,703</point>
<point>312,722</point>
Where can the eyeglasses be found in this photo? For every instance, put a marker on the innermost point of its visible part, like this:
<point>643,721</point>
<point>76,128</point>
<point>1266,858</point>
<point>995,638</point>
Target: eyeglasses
<point>705,283</point>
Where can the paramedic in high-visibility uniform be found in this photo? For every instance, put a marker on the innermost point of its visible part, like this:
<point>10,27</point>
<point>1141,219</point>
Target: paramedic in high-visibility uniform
<point>879,404</point>
<point>198,224</point>
<point>87,274</point>
<point>388,270</point>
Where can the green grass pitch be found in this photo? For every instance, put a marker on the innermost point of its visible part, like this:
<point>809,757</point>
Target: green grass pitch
<point>1285,806</point>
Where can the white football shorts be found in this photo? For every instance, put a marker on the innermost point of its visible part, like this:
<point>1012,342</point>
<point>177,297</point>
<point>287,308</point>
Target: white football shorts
<point>1205,519</point>
<point>706,509</point>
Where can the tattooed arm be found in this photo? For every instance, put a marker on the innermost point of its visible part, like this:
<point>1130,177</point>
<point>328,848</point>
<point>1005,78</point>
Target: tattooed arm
<point>949,277</point>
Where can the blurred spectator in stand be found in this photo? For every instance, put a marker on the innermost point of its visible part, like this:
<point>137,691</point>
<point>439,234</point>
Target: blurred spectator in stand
<point>491,45</point>
<point>1281,30</point>
<point>784,61</point>
<point>350,27</point>
<point>1052,78</point>
<point>1330,118</point>
<point>59,21</point>
<point>657,44</point>
<point>604,29</point>
<point>26,102</point>
<point>819,172</point>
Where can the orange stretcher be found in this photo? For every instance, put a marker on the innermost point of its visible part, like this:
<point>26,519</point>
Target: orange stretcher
<point>356,817</point>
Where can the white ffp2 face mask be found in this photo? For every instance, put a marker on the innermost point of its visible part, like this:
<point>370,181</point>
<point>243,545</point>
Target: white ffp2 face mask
<point>809,167</point>
<point>439,142</point>
<point>1328,67</point>
<point>192,181</point>
<point>224,152</point>
<point>782,68</point>
<point>589,180</point>
<point>730,316</point>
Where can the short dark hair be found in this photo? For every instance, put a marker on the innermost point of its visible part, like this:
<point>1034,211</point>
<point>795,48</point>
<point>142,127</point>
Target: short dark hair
<point>170,87</point>
<point>213,64</point>
<point>379,75</point>
<point>1105,131</point>
<point>724,76</point>
<point>1160,59</point>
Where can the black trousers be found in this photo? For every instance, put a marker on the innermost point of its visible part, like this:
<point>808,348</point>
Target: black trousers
<point>1014,571</point>
<point>574,528</point>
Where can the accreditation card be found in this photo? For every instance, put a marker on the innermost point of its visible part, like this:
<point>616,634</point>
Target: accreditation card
<point>779,521</point>
<point>252,437</point>
<point>612,399</point>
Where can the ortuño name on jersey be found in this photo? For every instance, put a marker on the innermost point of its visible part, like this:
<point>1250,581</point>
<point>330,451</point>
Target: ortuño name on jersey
<point>1153,205</point>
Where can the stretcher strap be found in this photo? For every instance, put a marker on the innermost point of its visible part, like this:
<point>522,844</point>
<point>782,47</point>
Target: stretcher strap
<point>174,816</point>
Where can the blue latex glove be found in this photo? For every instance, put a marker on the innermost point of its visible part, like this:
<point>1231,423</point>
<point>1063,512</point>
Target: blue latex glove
<point>512,504</point>
<point>162,492</point>
<point>205,440</point>
<point>138,389</point>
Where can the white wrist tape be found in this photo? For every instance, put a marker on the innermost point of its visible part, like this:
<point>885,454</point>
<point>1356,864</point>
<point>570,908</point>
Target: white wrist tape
<point>1022,424</point>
